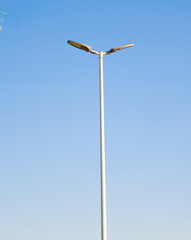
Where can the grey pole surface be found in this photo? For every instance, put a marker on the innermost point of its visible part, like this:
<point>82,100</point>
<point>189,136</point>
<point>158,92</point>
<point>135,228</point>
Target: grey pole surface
<point>102,146</point>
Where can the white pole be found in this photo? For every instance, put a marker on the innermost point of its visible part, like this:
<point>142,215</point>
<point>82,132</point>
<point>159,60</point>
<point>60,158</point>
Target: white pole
<point>102,139</point>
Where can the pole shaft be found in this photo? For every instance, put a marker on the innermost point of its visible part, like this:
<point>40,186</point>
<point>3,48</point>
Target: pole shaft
<point>102,143</point>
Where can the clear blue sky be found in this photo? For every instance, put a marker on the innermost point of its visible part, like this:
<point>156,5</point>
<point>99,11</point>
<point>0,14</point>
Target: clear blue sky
<point>49,120</point>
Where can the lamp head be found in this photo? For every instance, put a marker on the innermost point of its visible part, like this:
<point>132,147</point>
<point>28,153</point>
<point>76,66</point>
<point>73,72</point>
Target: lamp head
<point>80,46</point>
<point>120,48</point>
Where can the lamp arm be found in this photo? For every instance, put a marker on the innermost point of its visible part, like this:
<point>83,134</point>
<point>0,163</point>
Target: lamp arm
<point>94,52</point>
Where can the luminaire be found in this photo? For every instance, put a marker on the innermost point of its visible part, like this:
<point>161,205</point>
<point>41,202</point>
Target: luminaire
<point>88,48</point>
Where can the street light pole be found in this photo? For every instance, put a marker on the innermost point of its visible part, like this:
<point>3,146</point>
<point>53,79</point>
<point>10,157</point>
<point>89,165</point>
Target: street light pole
<point>102,132</point>
<point>102,145</point>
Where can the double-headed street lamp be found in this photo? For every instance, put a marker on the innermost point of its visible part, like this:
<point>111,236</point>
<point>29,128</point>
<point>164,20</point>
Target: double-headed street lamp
<point>102,135</point>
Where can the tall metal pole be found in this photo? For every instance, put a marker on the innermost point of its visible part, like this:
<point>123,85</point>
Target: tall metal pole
<point>87,48</point>
<point>102,143</point>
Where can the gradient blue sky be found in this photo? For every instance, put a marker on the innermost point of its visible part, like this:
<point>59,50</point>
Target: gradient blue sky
<point>49,120</point>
